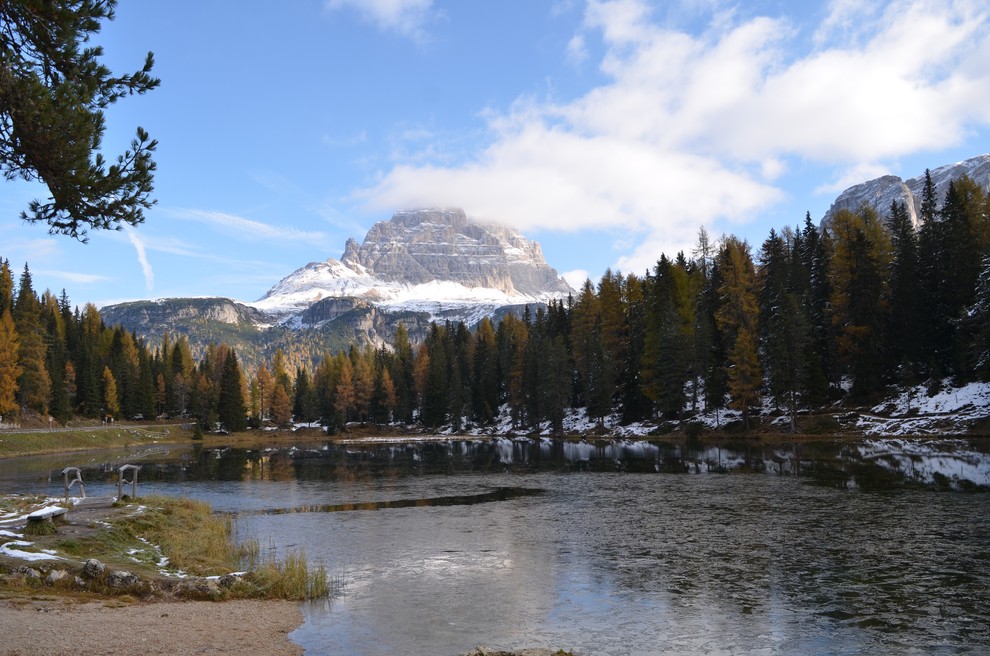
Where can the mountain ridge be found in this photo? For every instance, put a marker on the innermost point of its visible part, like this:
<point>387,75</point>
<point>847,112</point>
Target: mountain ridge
<point>880,192</point>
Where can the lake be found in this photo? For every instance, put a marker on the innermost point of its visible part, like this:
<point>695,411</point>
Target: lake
<point>609,547</point>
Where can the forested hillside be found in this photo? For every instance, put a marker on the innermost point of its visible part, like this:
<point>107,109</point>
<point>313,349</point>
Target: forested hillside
<point>816,315</point>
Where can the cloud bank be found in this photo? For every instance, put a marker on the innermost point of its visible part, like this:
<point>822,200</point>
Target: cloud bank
<point>694,128</point>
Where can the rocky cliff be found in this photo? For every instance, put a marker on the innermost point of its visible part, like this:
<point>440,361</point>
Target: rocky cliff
<point>879,193</point>
<point>435,261</point>
<point>417,267</point>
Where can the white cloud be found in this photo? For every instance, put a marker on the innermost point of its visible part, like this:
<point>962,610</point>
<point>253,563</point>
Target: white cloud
<point>248,229</point>
<point>138,243</point>
<point>406,17</point>
<point>74,276</point>
<point>577,49</point>
<point>696,128</point>
<point>852,176</point>
<point>576,278</point>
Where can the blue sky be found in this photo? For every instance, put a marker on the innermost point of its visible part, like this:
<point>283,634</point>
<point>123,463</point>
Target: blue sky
<point>609,131</point>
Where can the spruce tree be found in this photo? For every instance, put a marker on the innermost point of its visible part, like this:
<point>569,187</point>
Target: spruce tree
<point>231,410</point>
<point>485,388</point>
<point>903,339</point>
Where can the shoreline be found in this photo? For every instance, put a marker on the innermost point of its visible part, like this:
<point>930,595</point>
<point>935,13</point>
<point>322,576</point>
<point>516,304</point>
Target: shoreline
<point>57,626</point>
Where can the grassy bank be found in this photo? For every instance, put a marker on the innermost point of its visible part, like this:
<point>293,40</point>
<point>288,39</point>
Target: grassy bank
<point>92,437</point>
<point>171,545</point>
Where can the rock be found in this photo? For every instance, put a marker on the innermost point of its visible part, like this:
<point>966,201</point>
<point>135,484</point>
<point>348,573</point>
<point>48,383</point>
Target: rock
<point>94,569</point>
<point>55,576</point>
<point>420,246</point>
<point>121,579</point>
<point>198,589</point>
<point>27,572</point>
<point>228,581</point>
<point>879,193</point>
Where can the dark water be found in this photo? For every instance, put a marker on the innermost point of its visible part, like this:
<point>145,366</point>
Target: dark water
<point>611,548</point>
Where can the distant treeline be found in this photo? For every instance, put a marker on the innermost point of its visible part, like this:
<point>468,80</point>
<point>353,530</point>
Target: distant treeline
<point>819,314</point>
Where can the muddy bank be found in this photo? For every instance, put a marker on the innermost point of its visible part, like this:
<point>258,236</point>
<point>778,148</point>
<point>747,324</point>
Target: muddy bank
<point>56,627</point>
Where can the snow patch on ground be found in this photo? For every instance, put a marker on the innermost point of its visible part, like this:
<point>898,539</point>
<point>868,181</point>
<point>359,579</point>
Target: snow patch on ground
<point>11,549</point>
<point>914,412</point>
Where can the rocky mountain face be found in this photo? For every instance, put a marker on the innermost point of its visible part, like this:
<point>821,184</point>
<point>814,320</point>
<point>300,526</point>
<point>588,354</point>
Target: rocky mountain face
<point>879,193</point>
<point>435,261</point>
<point>420,246</point>
<point>418,267</point>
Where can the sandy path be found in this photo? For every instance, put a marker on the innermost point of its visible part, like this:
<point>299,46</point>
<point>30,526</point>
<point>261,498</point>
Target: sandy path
<point>195,627</point>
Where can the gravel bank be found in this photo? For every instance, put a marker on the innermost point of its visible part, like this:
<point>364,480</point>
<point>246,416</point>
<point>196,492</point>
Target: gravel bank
<point>56,627</point>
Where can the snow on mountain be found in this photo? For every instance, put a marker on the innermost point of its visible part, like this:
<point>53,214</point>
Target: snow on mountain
<point>434,261</point>
<point>879,193</point>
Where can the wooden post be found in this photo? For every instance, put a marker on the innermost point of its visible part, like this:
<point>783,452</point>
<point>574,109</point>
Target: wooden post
<point>77,479</point>
<point>133,482</point>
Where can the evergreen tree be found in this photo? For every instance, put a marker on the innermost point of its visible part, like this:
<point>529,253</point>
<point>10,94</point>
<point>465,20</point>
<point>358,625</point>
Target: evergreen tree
<point>815,257</point>
<point>402,376</point>
<point>666,362</point>
<point>485,390</point>
<point>903,341</point>
<point>976,325</point>
<point>633,401</point>
<point>862,255</point>
<point>510,341</point>
<point>784,332</point>
<point>34,384</point>
<point>231,410</point>
<point>435,388</point>
<point>53,90</point>
<point>6,287</point>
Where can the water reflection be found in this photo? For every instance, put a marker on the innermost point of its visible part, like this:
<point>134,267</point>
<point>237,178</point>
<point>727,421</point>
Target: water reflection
<point>871,464</point>
<point>608,547</point>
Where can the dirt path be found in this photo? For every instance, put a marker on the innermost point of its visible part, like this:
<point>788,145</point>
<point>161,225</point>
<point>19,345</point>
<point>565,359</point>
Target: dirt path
<point>56,628</point>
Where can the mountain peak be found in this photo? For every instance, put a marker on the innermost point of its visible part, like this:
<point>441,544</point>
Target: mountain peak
<point>431,260</point>
<point>880,192</point>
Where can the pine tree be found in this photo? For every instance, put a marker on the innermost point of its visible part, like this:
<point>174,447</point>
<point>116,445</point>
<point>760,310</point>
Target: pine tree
<point>784,332</point>
<point>231,410</point>
<point>6,287</point>
<point>10,368</point>
<point>435,385</point>
<point>862,256</point>
<point>485,390</point>
<point>403,377</point>
<point>54,91</point>
<point>510,341</point>
<point>903,341</point>
<point>815,256</point>
<point>34,384</point>
<point>666,363</point>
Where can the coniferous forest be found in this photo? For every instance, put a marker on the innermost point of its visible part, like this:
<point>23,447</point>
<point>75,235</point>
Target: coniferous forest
<point>810,316</point>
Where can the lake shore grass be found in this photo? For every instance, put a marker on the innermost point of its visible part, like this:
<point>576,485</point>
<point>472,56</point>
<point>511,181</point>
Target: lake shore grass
<point>175,548</point>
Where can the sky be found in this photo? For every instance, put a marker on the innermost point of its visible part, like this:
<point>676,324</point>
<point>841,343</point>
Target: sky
<point>610,131</point>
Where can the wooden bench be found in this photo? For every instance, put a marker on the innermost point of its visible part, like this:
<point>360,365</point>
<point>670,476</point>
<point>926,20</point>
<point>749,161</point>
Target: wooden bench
<point>49,514</point>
